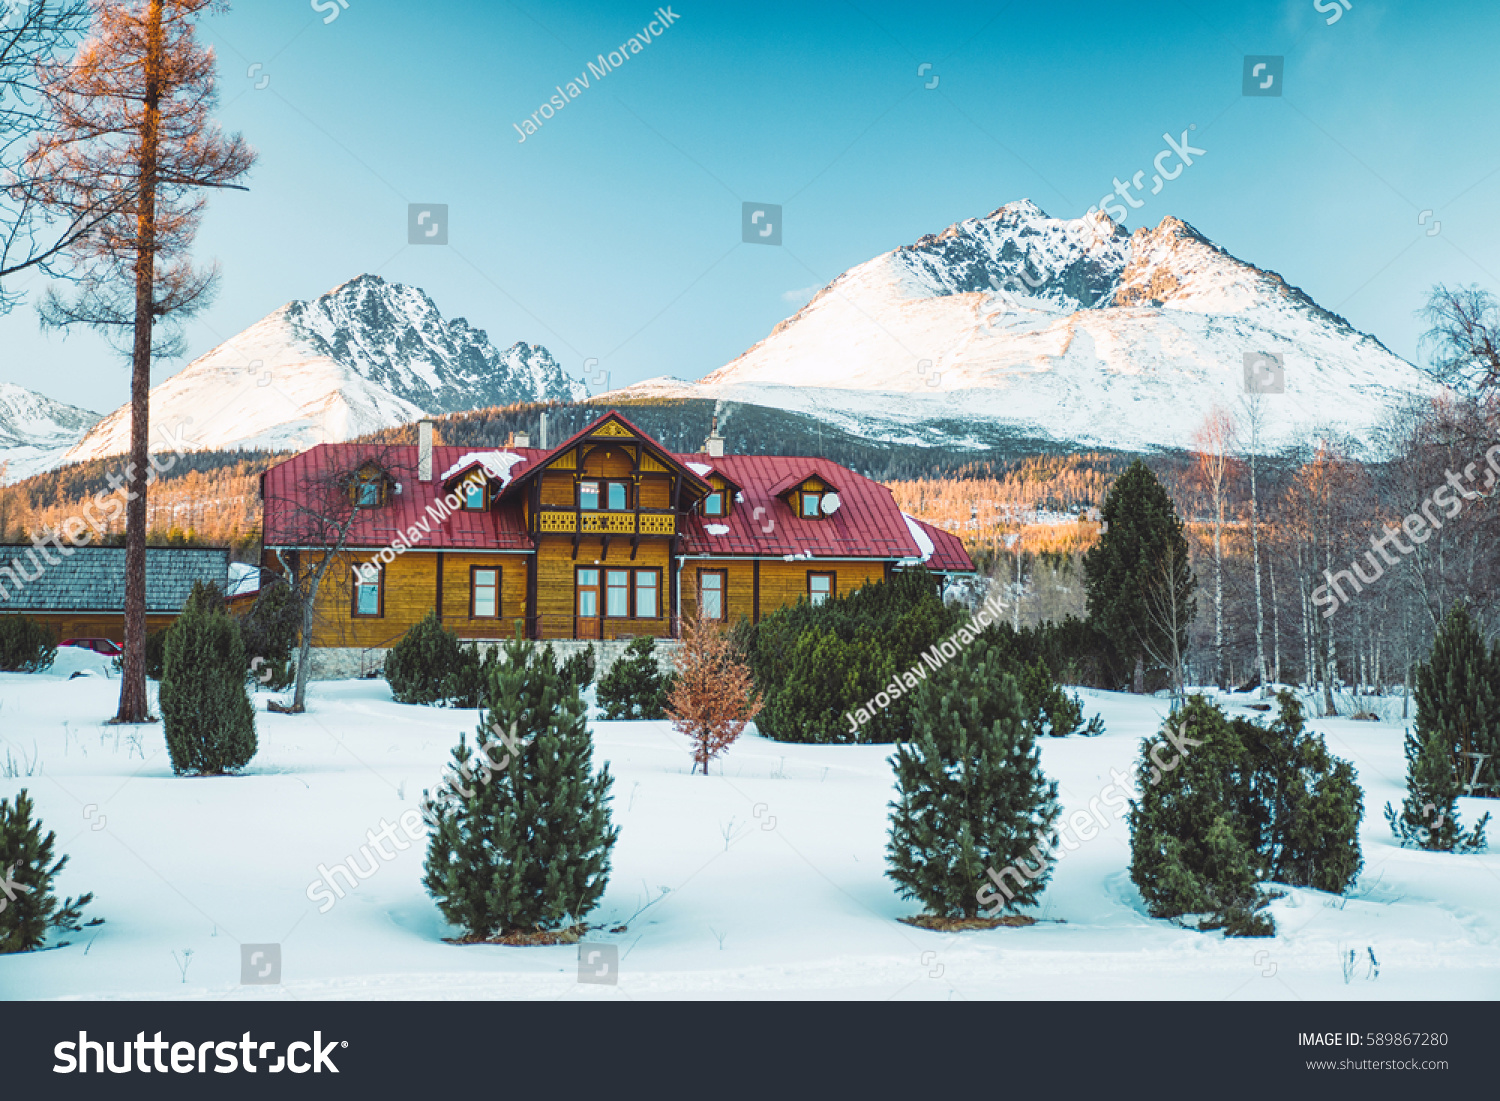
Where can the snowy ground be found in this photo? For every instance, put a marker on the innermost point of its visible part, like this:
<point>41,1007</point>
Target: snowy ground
<point>794,905</point>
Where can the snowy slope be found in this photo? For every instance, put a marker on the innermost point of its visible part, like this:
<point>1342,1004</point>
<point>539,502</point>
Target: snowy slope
<point>36,431</point>
<point>765,879</point>
<point>366,355</point>
<point>1074,331</point>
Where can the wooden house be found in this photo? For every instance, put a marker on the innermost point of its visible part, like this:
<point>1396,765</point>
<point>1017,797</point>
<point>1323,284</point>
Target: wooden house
<point>79,592</point>
<point>607,535</point>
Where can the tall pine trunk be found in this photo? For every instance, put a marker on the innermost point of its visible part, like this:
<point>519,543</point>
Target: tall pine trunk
<point>133,702</point>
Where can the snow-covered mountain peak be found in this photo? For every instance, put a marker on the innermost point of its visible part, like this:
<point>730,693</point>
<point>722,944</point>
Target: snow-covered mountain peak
<point>35,430</point>
<point>1073,331</point>
<point>368,354</point>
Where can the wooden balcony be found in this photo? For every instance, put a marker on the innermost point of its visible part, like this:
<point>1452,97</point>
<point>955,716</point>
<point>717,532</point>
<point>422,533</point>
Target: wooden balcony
<point>557,521</point>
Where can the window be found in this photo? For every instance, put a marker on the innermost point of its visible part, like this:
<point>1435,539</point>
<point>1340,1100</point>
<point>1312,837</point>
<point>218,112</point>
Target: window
<point>593,495</point>
<point>820,587</point>
<point>645,594</point>
<point>474,495</point>
<point>711,586</point>
<point>713,504</point>
<point>617,594</point>
<point>367,495</point>
<point>484,593</point>
<point>628,594</point>
<point>811,505</point>
<point>369,594</point>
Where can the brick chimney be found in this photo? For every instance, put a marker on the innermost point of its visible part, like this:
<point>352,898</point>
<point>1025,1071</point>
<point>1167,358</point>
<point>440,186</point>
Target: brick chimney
<point>424,450</point>
<point>714,445</point>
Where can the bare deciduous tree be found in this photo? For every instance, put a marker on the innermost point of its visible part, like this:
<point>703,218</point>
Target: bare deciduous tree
<point>32,34</point>
<point>320,514</point>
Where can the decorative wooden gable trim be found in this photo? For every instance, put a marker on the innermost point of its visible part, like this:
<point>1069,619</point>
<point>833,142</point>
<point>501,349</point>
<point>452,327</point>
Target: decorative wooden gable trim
<point>612,428</point>
<point>650,465</point>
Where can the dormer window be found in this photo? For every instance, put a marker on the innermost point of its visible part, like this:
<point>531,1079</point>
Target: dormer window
<point>713,504</point>
<point>474,496</point>
<point>369,489</point>
<point>812,505</point>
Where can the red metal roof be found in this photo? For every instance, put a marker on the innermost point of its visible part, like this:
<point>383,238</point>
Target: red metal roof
<point>867,523</point>
<point>948,549</point>
<point>290,491</point>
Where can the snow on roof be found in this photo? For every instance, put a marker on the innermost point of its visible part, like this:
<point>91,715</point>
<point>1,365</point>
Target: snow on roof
<point>498,463</point>
<point>703,470</point>
<point>923,540</point>
<point>716,529</point>
<point>243,578</point>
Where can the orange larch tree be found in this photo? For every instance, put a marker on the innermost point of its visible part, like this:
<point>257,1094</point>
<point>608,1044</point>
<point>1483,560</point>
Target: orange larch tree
<point>713,698</point>
<point>131,132</point>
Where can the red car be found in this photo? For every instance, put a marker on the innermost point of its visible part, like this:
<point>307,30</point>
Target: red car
<point>103,646</point>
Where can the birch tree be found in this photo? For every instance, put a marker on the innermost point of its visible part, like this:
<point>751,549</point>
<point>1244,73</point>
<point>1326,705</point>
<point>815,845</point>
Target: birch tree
<point>1214,442</point>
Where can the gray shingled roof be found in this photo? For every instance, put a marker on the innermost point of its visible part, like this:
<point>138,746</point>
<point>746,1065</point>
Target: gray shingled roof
<point>92,579</point>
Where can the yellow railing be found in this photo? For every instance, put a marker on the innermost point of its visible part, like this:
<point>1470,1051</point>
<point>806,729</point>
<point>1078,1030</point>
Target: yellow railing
<point>549,522</point>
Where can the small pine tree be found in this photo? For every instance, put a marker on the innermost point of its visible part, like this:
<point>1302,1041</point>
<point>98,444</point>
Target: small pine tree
<point>1458,691</point>
<point>209,720</point>
<point>430,666</point>
<point>579,667</point>
<point>634,687</point>
<point>26,646</point>
<point>712,697</point>
<point>1429,813</point>
<point>28,908</point>
<point>521,841</point>
<point>465,684</point>
<point>1304,804</point>
<point>269,630</point>
<point>1191,849</point>
<point>971,796</point>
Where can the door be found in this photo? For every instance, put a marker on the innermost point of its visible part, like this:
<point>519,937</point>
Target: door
<point>586,609</point>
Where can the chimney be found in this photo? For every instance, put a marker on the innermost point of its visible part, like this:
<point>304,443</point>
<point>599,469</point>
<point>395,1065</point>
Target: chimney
<point>424,450</point>
<point>523,439</point>
<point>714,445</point>
<point>542,441</point>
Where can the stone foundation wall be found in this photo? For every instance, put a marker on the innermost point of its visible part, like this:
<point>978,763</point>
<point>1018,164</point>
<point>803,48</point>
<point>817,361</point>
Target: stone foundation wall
<point>347,663</point>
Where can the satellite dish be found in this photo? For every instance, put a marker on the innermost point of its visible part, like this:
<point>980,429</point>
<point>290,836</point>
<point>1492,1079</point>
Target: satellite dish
<point>830,503</point>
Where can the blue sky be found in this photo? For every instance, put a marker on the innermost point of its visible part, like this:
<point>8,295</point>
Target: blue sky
<point>613,233</point>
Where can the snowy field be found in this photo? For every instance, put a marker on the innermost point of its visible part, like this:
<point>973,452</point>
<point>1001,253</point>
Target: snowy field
<point>765,881</point>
